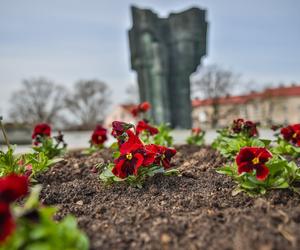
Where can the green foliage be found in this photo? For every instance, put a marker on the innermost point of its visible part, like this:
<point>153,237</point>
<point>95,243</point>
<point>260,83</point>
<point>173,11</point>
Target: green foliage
<point>164,137</point>
<point>12,163</point>
<point>285,148</point>
<point>50,147</point>
<point>197,139</point>
<point>135,180</point>
<point>283,174</point>
<point>229,145</point>
<point>39,162</point>
<point>9,163</point>
<point>36,230</point>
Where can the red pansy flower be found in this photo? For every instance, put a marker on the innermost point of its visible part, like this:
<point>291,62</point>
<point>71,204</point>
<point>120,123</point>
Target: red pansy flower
<point>118,128</point>
<point>99,135</point>
<point>141,108</point>
<point>291,133</point>
<point>237,125</point>
<point>144,106</point>
<point>133,156</point>
<point>132,143</point>
<point>40,130</point>
<point>128,164</point>
<point>7,224</point>
<point>144,126</point>
<point>162,154</point>
<point>253,158</point>
<point>251,129</point>
<point>248,127</point>
<point>13,187</point>
<point>196,131</point>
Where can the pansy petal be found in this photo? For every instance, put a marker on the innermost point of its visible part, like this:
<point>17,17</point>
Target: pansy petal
<point>7,224</point>
<point>246,154</point>
<point>264,155</point>
<point>117,170</point>
<point>13,187</point>
<point>139,161</point>
<point>245,167</point>
<point>262,172</point>
<point>139,157</point>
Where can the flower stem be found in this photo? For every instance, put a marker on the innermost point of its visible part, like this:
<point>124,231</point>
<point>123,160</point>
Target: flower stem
<point>4,133</point>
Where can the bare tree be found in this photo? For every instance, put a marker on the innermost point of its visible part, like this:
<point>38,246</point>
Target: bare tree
<point>39,100</point>
<point>215,82</point>
<point>89,102</point>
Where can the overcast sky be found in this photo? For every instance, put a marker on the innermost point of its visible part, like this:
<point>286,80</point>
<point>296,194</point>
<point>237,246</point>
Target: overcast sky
<point>67,40</point>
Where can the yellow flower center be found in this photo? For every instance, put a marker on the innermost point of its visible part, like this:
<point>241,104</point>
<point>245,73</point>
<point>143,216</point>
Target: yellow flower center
<point>129,156</point>
<point>295,135</point>
<point>255,160</point>
<point>163,156</point>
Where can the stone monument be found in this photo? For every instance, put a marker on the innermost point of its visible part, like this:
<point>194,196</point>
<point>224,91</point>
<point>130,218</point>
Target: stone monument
<point>164,53</point>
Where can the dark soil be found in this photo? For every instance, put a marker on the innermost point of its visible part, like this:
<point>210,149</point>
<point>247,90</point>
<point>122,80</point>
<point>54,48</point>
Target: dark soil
<point>192,211</point>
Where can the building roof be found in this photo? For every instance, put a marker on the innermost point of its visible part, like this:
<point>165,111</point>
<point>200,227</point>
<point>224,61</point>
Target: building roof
<point>241,99</point>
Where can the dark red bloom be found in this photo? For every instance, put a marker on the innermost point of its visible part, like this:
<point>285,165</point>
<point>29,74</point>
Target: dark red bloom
<point>144,106</point>
<point>42,129</point>
<point>162,154</point>
<point>242,126</point>
<point>237,125</point>
<point>196,131</point>
<point>141,108</point>
<point>133,156</point>
<point>128,164</point>
<point>7,224</point>
<point>131,159</point>
<point>118,128</point>
<point>291,133</point>
<point>132,143</point>
<point>144,126</point>
<point>99,135</point>
<point>13,187</point>
<point>250,128</point>
<point>253,158</point>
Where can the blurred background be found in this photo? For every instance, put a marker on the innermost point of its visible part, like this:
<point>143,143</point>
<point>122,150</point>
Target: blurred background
<point>67,63</point>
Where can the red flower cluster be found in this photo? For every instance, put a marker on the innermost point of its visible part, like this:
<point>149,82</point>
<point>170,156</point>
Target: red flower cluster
<point>141,108</point>
<point>253,158</point>
<point>162,155</point>
<point>99,135</point>
<point>248,127</point>
<point>12,187</point>
<point>41,130</point>
<point>291,133</point>
<point>144,126</point>
<point>134,154</point>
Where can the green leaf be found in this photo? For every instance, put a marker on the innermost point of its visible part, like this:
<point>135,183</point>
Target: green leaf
<point>257,143</point>
<point>227,170</point>
<point>171,172</point>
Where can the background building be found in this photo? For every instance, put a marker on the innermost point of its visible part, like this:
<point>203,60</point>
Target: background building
<point>272,106</point>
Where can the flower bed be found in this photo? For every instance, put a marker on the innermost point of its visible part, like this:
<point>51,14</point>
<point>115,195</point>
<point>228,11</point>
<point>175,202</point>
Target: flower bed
<point>193,211</point>
<point>243,192</point>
